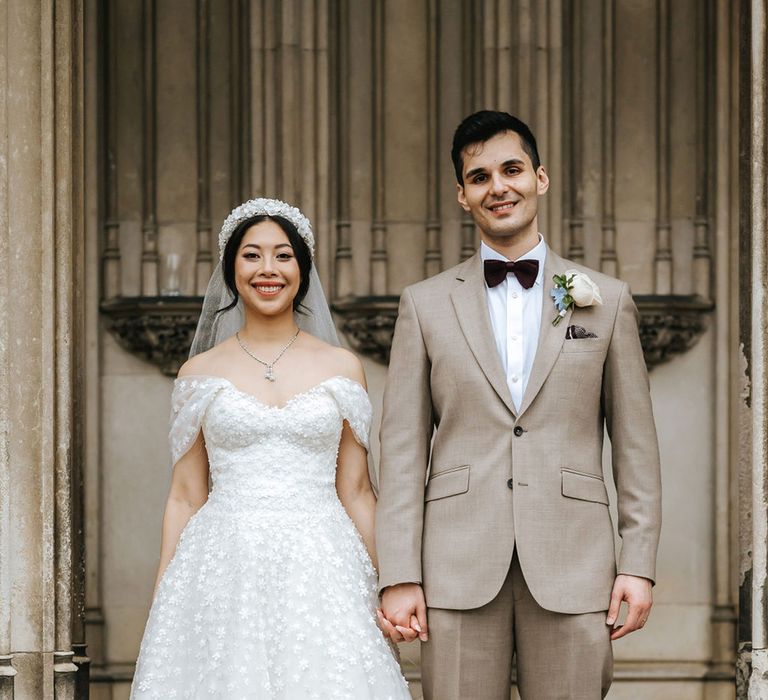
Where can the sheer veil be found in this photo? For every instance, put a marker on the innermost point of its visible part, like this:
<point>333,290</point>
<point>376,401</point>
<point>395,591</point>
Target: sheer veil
<point>314,315</point>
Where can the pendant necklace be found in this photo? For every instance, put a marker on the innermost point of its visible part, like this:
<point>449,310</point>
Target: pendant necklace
<point>270,373</point>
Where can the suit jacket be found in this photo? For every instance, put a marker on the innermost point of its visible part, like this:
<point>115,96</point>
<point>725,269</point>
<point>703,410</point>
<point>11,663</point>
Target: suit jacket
<point>465,478</point>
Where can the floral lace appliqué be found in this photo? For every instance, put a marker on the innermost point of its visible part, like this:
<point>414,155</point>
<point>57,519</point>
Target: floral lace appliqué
<point>270,561</point>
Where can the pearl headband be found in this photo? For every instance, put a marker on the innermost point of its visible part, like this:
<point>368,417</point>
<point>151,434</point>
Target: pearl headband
<point>266,207</point>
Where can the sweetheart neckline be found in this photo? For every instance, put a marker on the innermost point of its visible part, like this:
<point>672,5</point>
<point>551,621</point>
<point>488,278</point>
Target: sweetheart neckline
<point>273,407</point>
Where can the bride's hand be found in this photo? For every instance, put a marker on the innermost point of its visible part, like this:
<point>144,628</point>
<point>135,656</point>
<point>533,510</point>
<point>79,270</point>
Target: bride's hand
<point>395,632</point>
<point>404,607</point>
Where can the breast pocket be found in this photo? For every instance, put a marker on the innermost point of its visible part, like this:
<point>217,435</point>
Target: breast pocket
<point>583,345</point>
<point>583,487</point>
<point>449,482</point>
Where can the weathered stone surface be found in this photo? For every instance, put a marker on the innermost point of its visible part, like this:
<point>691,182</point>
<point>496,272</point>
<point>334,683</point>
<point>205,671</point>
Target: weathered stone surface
<point>41,242</point>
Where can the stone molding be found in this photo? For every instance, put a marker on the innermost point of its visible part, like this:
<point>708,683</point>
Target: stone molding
<point>369,323</point>
<point>669,325</point>
<point>160,329</point>
<point>625,671</point>
<point>157,329</point>
<point>7,674</point>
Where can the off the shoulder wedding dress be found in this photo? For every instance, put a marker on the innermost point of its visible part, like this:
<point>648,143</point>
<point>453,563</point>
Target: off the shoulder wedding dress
<point>270,593</point>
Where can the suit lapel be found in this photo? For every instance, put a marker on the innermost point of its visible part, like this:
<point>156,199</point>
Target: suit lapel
<point>551,338</point>
<point>471,306</point>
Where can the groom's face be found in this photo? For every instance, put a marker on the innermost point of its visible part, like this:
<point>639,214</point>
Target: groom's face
<point>501,187</point>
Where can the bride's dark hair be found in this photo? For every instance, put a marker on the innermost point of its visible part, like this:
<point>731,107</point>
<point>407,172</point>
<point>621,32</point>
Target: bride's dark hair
<point>300,250</point>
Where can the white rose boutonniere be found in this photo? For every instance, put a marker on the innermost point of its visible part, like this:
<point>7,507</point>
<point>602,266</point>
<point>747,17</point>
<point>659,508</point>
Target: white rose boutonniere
<point>573,288</point>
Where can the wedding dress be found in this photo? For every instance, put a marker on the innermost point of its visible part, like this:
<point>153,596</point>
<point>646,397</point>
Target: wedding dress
<point>270,593</point>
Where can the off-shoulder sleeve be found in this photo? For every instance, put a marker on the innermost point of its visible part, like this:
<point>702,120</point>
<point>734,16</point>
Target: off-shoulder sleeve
<point>354,406</point>
<point>189,401</point>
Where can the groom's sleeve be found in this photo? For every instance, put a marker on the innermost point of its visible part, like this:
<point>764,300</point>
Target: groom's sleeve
<point>406,432</point>
<point>635,451</point>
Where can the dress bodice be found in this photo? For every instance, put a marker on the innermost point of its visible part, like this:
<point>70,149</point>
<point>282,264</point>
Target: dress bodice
<point>266,458</point>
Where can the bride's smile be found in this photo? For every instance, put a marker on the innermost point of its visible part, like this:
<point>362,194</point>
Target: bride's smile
<point>268,290</point>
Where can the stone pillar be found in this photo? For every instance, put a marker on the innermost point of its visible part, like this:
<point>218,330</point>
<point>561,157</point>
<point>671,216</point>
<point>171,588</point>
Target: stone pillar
<point>754,267</point>
<point>41,225</point>
<point>722,161</point>
<point>758,687</point>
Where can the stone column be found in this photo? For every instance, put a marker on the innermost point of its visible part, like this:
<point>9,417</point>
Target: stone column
<point>41,225</point>
<point>758,686</point>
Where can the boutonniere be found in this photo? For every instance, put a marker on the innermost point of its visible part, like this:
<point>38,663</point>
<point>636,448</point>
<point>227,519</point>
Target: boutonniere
<point>573,288</point>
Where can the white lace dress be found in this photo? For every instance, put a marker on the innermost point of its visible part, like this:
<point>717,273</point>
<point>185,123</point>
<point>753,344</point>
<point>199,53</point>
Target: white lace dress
<point>270,593</point>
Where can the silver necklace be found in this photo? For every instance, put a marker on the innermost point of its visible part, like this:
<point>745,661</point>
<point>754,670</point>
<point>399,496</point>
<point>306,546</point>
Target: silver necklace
<point>270,373</point>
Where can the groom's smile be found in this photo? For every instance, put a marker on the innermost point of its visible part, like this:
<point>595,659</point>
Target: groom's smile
<point>502,208</point>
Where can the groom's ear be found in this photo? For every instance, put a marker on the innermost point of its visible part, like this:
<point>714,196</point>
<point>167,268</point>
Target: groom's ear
<point>461,197</point>
<point>542,181</point>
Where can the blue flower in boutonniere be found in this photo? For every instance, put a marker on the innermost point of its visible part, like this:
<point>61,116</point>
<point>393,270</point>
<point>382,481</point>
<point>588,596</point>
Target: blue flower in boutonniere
<point>573,288</point>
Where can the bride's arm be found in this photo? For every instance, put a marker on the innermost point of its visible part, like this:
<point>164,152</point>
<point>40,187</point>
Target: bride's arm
<point>354,488</point>
<point>189,491</point>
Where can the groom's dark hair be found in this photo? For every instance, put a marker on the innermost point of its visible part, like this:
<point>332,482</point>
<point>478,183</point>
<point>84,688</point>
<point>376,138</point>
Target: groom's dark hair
<point>484,125</point>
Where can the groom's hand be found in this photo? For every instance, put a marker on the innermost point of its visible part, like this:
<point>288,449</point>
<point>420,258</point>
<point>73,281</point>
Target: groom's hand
<point>404,612</point>
<point>636,591</point>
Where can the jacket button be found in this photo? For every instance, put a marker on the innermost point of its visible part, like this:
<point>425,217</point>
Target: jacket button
<point>518,431</point>
<point>511,483</point>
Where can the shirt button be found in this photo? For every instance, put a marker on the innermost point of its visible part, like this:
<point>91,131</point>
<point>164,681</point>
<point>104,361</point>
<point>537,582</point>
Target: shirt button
<point>515,378</point>
<point>513,295</point>
<point>513,337</point>
<point>518,431</point>
<point>511,483</point>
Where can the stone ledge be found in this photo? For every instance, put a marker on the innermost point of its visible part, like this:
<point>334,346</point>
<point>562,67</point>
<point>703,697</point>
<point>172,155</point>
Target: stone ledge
<point>669,325</point>
<point>624,671</point>
<point>641,671</point>
<point>157,329</point>
<point>160,329</point>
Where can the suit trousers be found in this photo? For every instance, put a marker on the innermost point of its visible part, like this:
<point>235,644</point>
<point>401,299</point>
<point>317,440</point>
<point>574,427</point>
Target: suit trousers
<point>559,656</point>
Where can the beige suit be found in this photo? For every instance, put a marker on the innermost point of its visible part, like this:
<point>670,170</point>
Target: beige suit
<point>466,479</point>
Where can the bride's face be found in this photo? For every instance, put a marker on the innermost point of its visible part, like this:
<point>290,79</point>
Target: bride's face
<point>267,273</point>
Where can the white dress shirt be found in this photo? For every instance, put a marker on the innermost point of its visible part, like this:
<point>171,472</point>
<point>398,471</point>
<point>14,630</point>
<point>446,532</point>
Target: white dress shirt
<point>516,319</point>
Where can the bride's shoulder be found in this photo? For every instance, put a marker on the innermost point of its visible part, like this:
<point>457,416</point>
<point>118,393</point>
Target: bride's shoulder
<point>208,363</point>
<point>338,361</point>
<point>350,366</point>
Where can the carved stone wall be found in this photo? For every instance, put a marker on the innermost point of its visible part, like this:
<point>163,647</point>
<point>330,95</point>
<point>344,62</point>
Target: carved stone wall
<point>347,107</point>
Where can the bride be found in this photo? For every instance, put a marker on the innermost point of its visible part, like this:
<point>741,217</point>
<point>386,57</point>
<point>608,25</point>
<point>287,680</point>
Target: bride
<point>266,586</point>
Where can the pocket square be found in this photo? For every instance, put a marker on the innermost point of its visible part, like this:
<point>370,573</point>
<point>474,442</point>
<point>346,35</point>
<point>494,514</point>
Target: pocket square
<point>577,332</point>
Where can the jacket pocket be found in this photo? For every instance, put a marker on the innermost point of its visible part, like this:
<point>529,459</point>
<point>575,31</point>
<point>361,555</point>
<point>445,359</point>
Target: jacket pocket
<point>447,483</point>
<point>584,487</point>
<point>583,345</point>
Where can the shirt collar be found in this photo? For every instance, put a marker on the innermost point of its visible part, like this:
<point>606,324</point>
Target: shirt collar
<point>538,252</point>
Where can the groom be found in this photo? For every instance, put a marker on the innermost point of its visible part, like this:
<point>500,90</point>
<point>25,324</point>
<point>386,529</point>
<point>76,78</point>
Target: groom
<point>493,531</point>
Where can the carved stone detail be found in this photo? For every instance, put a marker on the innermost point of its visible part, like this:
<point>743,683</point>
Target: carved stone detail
<point>160,329</point>
<point>7,677</point>
<point>157,329</point>
<point>669,325</point>
<point>369,323</point>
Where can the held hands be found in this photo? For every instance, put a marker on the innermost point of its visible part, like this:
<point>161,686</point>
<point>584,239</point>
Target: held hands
<point>636,591</point>
<point>403,613</point>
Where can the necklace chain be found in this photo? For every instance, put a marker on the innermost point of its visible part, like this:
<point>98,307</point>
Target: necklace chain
<point>270,374</point>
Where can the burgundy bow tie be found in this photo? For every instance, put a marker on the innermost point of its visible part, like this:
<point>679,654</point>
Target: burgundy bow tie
<point>496,271</point>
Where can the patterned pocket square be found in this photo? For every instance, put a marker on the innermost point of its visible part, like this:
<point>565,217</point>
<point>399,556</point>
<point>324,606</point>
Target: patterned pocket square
<point>577,333</point>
